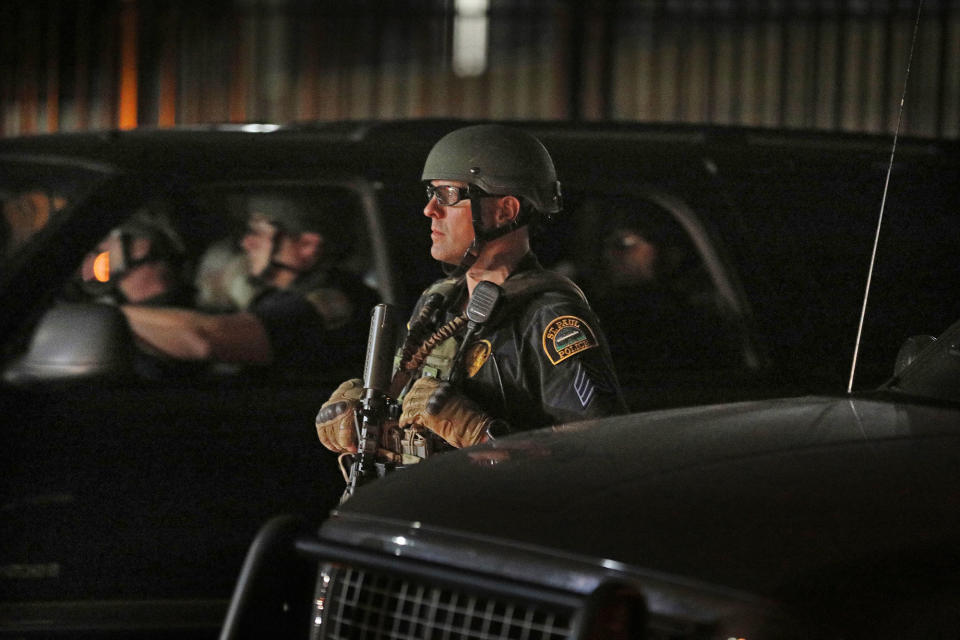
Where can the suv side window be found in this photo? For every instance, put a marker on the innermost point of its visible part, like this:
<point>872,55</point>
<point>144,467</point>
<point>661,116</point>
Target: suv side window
<point>33,194</point>
<point>666,301</point>
<point>220,274</point>
<point>184,250</point>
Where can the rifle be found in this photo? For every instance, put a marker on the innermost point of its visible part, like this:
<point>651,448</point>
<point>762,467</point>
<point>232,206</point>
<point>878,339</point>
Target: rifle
<point>379,412</point>
<point>375,406</point>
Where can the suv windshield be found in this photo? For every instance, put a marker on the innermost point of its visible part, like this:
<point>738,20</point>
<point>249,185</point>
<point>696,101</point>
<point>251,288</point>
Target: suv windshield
<point>34,194</point>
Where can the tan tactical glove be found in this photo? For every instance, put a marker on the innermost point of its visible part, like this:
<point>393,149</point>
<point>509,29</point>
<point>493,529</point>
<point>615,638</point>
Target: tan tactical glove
<point>336,421</point>
<point>437,406</point>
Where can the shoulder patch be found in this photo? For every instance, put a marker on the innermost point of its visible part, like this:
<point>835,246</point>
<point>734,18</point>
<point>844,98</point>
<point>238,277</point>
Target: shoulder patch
<point>589,381</point>
<point>333,306</point>
<point>567,336</point>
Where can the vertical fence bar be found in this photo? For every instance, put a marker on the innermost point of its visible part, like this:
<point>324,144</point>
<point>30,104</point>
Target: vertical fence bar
<point>711,21</point>
<point>784,78</point>
<point>575,37</point>
<point>53,71</point>
<point>81,67</point>
<point>921,115</point>
<point>943,22</point>
<point>241,71</point>
<point>305,38</point>
<point>127,108</point>
<point>840,67</point>
<point>608,47</point>
<point>737,55</point>
<point>28,90</point>
<point>814,72</point>
<point>105,101</point>
<point>168,75</point>
<point>682,43</point>
<point>8,91</point>
<point>950,85</point>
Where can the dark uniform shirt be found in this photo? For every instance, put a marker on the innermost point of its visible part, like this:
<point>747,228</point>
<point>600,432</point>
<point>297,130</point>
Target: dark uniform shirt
<point>541,358</point>
<point>317,327</point>
<point>151,365</point>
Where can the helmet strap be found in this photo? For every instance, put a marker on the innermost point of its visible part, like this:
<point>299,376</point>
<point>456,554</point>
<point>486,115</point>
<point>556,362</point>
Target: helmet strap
<point>492,234</point>
<point>469,257</point>
<point>127,262</point>
<point>482,236</point>
<point>274,265</point>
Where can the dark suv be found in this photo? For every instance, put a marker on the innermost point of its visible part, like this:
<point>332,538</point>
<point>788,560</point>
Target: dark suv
<point>128,503</point>
<point>819,516</point>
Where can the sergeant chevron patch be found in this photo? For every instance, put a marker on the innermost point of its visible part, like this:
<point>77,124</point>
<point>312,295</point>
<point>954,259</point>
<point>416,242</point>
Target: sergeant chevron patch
<point>567,336</point>
<point>584,387</point>
<point>588,381</point>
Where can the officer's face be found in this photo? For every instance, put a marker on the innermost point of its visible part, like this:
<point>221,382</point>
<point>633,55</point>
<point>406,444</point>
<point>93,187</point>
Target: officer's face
<point>630,258</point>
<point>258,244</point>
<point>451,227</point>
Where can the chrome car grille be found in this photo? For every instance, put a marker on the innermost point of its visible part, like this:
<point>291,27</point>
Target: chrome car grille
<point>356,604</point>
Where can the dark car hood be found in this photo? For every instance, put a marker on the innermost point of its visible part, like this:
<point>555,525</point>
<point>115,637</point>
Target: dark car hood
<point>753,496</point>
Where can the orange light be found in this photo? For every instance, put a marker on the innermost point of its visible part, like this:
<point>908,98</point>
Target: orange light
<point>128,66</point>
<point>101,267</point>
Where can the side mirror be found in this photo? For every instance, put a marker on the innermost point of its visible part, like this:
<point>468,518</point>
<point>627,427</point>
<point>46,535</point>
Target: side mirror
<point>76,342</point>
<point>909,351</point>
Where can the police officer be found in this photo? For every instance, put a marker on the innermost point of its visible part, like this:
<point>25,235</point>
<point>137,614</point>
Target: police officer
<point>139,262</point>
<point>24,214</point>
<point>541,358</point>
<point>305,318</point>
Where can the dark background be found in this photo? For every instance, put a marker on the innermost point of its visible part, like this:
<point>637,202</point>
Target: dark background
<point>834,65</point>
<point>828,66</point>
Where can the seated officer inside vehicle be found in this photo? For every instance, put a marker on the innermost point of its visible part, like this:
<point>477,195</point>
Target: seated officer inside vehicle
<point>307,318</point>
<point>141,262</point>
<point>24,214</point>
<point>651,292</point>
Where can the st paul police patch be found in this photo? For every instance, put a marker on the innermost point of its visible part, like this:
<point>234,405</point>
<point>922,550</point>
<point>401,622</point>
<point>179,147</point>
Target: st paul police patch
<point>567,336</point>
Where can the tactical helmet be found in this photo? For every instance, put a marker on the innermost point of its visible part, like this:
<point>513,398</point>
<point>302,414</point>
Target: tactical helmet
<point>292,214</point>
<point>114,259</point>
<point>499,160</point>
<point>330,211</point>
<point>150,222</point>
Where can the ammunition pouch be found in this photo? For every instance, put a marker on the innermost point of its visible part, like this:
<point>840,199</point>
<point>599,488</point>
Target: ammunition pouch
<point>406,446</point>
<point>402,447</point>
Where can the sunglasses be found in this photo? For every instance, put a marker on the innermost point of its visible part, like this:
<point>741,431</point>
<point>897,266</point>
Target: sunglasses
<point>448,195</point>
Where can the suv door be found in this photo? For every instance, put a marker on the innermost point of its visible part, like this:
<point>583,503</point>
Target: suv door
<point>137,498</point>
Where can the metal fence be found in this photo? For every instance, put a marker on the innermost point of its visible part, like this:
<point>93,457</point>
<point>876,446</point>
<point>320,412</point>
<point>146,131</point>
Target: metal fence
<point>816,64</point>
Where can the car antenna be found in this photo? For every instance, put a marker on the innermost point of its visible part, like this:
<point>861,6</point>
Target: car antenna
<point>883,202</point>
